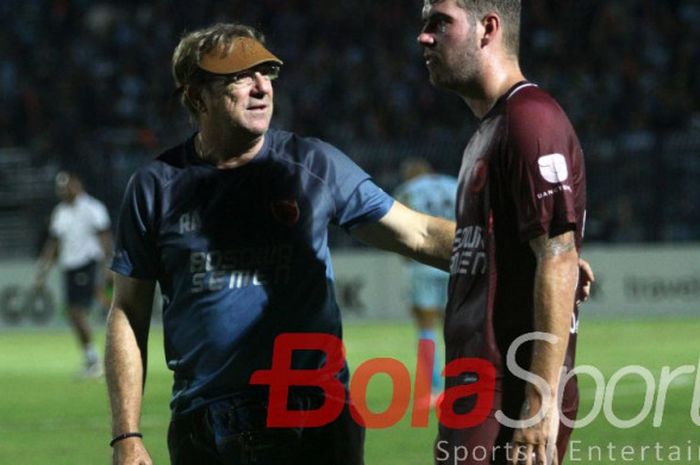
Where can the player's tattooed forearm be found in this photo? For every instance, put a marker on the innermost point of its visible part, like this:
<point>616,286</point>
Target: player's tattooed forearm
<point>549,247</point>
<point>559,245</point>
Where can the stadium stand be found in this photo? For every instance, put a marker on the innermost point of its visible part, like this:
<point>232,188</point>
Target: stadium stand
<point>86,85</point>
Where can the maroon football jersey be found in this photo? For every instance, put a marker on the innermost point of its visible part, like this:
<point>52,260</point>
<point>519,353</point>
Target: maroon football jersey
<point>522,176</point>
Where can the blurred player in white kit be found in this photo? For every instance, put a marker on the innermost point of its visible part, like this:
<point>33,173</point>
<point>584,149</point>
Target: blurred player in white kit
<point>80,241</point>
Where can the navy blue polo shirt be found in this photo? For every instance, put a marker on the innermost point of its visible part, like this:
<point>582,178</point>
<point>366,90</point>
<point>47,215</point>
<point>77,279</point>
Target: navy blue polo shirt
<point>241,255</point>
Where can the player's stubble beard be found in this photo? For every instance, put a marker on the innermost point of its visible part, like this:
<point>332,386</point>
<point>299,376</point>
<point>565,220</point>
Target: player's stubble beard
<point>459,71</point>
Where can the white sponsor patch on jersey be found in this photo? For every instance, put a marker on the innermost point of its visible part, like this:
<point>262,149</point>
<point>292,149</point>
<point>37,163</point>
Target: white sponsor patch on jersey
<point>553,168</point>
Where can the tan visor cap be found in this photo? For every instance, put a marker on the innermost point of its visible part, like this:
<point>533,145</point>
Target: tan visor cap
<point>244,53</point>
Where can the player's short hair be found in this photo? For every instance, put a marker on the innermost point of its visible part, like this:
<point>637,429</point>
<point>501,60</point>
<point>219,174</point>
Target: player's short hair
<point>64,176</point>
<point>508,10</point>
<point>68,181</point>
<point>193,45</point>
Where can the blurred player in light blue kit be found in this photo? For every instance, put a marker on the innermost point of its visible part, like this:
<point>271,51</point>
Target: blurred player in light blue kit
<point>434,194</point>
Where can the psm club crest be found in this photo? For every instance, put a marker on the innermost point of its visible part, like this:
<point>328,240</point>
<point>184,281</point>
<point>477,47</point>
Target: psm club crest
<point>285,211</point>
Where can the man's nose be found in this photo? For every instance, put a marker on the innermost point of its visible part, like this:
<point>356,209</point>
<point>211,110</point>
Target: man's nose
<point>425,38</point>
<point>262,83</point>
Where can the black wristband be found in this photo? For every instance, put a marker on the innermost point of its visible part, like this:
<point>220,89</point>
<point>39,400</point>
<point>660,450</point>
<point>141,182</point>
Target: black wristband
<point>123,436</point>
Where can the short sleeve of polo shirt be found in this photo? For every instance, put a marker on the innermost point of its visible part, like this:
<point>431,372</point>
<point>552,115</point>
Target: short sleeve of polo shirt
<point>357,199</point>
<point>135,250</point>
<point>541,147</point>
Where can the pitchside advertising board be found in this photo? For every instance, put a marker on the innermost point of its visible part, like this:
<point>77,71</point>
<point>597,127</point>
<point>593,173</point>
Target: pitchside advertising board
<point>639,280</point>
<point>631,281</point>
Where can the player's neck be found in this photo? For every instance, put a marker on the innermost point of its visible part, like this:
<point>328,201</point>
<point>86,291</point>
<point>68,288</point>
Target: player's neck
<point>495,81</point>
<point>227,153</point>
<point>71,199</point>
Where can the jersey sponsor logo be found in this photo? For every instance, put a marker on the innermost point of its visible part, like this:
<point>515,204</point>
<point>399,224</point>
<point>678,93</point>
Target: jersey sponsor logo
<point>553,168</point>
<point>216,270</point>
<point>468,252</point>
<point>556,190</point>
<point>285,211</point>
<point>479,172</point>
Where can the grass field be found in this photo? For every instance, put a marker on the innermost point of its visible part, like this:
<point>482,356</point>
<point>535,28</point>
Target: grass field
<point>47,416</point>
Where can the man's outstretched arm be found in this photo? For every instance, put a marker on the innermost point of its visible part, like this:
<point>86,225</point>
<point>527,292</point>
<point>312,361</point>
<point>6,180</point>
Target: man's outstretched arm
<point>415,235</point>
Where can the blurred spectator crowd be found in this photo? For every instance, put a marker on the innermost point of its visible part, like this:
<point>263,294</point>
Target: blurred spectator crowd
<point>86,85</point>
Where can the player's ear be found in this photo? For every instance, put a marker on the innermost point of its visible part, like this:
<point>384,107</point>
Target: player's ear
<point>492,26</point>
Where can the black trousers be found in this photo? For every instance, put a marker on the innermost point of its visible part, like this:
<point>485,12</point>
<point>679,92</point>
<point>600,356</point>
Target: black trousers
<point>234,432</point>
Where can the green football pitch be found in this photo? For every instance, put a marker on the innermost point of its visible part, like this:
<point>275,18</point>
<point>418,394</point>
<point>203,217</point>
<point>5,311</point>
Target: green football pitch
<point>47,416</point>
